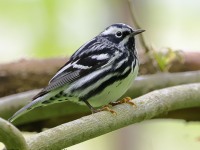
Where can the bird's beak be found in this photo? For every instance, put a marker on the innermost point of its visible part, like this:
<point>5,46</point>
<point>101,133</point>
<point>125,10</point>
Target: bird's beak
<point>138,31</point>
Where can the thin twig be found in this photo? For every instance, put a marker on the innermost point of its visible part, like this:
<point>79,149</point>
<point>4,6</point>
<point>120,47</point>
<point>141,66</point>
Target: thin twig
<point>136,24</point>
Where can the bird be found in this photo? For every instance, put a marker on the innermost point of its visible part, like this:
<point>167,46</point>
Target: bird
<point>96,75</point>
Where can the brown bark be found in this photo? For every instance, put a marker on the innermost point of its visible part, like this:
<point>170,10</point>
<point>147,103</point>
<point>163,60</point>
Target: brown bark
<point>25,75</point>
<point>191,62</point>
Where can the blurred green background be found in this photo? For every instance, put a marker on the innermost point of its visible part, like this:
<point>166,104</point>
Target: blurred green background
<point>55,28</point>
<point>50,28</point>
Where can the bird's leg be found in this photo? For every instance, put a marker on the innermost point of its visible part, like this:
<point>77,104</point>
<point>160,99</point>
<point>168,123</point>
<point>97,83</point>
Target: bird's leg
<point>104,108</point>
<point>91,108</point>
<point>124,100</point>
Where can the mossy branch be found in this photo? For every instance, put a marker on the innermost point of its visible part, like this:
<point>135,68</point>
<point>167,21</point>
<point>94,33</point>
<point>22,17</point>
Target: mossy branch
<point>148,106</point>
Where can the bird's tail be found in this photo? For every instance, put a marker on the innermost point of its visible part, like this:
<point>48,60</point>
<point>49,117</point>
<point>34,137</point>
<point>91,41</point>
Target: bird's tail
<point>25,109</point>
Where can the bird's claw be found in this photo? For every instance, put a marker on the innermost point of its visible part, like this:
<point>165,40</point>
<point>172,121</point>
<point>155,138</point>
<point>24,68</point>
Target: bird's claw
<point>105,108</point>
<point>124,100</point>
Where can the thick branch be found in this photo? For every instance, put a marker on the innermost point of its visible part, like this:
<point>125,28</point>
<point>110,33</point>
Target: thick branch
<point>11,136</point>
<point>142,85</point>
<point>148,106</point>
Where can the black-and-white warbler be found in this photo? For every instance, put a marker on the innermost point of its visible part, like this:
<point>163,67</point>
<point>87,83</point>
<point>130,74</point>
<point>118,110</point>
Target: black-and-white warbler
<point>98,73</point>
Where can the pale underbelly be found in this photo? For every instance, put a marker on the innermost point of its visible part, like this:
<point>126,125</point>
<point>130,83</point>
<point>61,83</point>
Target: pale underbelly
<point>114,91</point>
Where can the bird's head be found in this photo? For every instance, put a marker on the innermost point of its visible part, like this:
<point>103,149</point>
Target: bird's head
<point>121,35</point>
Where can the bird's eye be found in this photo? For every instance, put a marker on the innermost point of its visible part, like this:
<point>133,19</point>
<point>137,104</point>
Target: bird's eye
<point>118,34</point>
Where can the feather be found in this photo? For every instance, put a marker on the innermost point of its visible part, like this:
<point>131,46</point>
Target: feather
<point>73,73</point>
<point>25,109</point>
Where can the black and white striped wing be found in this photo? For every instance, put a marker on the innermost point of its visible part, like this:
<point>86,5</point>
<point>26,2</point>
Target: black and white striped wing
<point>76,68</point>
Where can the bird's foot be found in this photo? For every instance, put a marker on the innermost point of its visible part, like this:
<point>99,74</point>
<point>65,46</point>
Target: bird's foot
<point>104,108</point>
<point>124,100</point>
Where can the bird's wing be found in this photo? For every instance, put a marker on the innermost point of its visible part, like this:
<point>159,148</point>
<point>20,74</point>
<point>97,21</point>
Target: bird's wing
<point>77,67</point>
<point>74,69</point>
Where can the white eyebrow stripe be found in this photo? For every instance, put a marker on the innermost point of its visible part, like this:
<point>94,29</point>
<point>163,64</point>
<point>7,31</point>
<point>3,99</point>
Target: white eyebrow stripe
<point>110,30</point>
<point>100,57</point>
<point>113,30</point>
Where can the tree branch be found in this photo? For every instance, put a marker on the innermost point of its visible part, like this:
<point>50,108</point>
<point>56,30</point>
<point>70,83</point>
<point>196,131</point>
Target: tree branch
<point>11,136</point>
<point>143,84</point>
<point>14,75</point>
<point>148,106</point>
<point>146,83</point>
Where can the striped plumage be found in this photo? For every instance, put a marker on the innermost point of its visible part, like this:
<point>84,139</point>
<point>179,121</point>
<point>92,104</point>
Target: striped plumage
<point>98,73</point>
